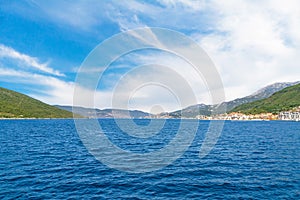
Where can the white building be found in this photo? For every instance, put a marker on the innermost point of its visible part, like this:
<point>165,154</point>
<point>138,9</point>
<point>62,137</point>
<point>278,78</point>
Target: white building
<point>289,116</point>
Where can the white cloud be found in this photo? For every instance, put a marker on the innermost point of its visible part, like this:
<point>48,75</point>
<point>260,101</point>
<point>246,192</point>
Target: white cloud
<point>10,53</point>
<point>23,69</point>
<point>54,91</point>
<point>176,65</point>
<point>254,43</point>
<point>82,15</point>
<point>149,85</point>
<point>189,4</point>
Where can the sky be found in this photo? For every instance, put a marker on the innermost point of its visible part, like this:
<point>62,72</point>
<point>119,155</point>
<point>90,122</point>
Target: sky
<point>44,43</point>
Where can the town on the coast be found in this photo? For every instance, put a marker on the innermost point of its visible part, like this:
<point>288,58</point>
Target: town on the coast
<point>292,115</point>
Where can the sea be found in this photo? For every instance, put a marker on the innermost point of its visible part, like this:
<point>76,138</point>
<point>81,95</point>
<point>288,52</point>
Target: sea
<point>48,159</point>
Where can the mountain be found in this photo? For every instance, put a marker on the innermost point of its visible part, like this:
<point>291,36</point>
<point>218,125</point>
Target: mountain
<point>283,100</point>
<point>260,94</point>
<point>191,111</point>
<point>202,109</point>
<point>17,105</point>
<point>105,113</point>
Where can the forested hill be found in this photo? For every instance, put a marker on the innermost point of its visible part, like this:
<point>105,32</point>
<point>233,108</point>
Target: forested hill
<point>17,105</point>
<point>283,100</point>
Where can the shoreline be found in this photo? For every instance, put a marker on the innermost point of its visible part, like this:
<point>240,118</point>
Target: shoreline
<point>36,118</point>
<point>252,120</point>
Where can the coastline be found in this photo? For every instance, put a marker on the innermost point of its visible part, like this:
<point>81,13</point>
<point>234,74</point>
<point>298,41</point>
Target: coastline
<point>231,120</point>
<point>37,118</point>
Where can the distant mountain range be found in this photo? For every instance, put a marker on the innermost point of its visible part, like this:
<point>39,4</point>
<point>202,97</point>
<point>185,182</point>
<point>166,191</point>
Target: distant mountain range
<point>207,110</point>
<point>191,111</point>
<point>17,105</point>
<point>105,113</point>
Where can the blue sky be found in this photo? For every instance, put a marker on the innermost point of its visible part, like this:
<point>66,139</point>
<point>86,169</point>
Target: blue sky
<point>43,43</point>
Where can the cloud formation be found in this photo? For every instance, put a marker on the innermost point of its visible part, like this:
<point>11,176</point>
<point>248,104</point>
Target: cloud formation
<point>25,70</point>
<point>254,43</point>
<point>25,60</point>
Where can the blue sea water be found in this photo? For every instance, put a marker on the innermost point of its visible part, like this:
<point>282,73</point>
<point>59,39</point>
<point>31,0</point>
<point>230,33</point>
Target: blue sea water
<point>45,159</point>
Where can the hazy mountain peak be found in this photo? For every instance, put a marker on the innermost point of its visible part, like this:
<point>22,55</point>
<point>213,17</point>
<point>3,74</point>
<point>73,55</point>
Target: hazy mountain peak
<point>274,88</point>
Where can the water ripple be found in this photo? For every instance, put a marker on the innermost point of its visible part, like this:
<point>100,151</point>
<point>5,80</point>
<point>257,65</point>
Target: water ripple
<point>45,159</point>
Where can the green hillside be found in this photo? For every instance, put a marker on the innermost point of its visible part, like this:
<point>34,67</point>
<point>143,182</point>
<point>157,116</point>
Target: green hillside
<point>16,105</point>
<point>283,100</point>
